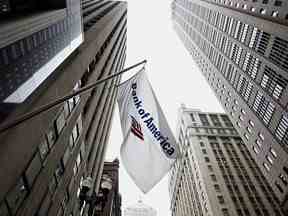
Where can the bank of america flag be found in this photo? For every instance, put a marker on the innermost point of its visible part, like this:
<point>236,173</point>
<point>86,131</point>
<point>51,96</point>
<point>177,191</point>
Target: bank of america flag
<point>149,148</point>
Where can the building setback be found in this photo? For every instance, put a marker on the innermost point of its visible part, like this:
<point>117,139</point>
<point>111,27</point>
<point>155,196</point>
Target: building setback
<point>44,159</point>
<point>216,176</point>
<point>139,209</point>
<point>241,48</point>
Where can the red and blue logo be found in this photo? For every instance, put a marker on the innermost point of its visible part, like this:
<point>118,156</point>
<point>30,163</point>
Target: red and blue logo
<point>136,128</point>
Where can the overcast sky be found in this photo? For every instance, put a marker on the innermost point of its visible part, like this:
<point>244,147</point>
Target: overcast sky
<point>174,77</point>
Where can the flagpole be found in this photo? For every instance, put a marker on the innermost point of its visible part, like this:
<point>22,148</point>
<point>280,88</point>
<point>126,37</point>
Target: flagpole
<point>58,101</point>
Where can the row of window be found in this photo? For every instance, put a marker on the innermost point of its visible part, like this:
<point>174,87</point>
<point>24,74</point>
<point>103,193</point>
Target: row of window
<point>246,181</point>
<point>89,23</point>
<point>243,86</point>
<point>260,39</point>
<point>216,131</point>
<point>16,195</point>
<point>250,64</point>
<point>22,47</point>
<point>214,118</point>
<point>266,108</point>
<point>55,180</point>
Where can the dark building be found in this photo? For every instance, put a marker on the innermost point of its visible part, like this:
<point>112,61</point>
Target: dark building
<point>43,159</point>
<point>216,175</point>
<point>113,204</point>
<point>241,48</point>
<point>34,41</point>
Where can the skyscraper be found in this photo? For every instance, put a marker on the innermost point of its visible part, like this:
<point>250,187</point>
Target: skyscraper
<point>35,38</point>
<point>44,159</point>
<point>216,175</point>
<point>241,48</point>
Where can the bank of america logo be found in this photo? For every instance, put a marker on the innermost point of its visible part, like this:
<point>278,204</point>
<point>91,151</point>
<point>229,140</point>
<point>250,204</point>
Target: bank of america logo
<point>136,128</point>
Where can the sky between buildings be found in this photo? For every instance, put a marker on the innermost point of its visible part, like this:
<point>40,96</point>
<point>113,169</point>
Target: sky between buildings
<point>174,77</point>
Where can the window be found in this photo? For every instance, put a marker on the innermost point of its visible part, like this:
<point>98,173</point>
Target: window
<point>207,159</point>
<point>258,142</point>
<point>75,169</point>
<point>60,122</point>
<point>43,149</point>
<point>78,160</point>
<point>66,110</point>
<point>204,119</point>
<point>52,185</point>
<point>60,212</point>
<point>255,149</point>
<point>278,3</point>
<point>261,136</point>
<point>215,120</point>
<point>225,212</point>
<point>66,156</point>
<point>204,151</point>
<point>33,169</point>
<point>201,144</point>
<point>249,129</point>
<point>71,142</point>
<point>279,187</point>
<point>273,152</point>
<point>71,103</point>
<point>266,166</point>
<point>246,136</point>
<point>51,136</point>
<point>269,159</point>
<point>76,87</point>
<point>217,188</point>
<point>251,123</point>
<point>192,117</point>
<point>221,199</point>
<point>75,133</point>
<point>213,177</point>
<point>59,171</point>
<point>241,118</point>
<point>226,121</point>
<point>281,130</point>
<point>210,168</point>
<point>79,123</point>
<point>263,107</point>
<point>238,124</point>
<point>283,179</point>
<point>16,196</point>
<point>272,82</point>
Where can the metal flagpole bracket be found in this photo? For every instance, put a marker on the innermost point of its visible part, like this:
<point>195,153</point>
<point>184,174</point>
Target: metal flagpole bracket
<point>48,106</point>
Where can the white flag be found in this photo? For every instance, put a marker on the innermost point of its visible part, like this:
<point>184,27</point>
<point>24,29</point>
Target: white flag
<point>149,147</point>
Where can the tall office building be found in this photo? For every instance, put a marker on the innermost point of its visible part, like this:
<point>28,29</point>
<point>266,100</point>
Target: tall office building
<point>43,159</point>
<point>35,38</point>
<point>241,48</point>
<point>216,175</point>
